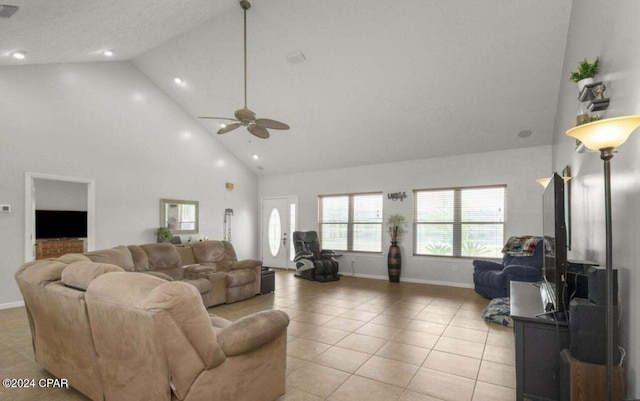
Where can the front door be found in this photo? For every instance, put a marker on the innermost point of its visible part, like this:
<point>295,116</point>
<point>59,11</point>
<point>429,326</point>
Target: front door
<point>278,219</point>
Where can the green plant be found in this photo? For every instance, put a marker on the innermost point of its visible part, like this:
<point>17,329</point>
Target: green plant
<point>164,234</point>
<point>438,249</point>
<point>474,249</point>
<point>588,119</point>
<point>395,226</point>
<point>585,70</point>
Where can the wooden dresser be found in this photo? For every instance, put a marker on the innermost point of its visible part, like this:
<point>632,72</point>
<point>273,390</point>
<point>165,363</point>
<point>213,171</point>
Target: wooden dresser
<point>53,248</point>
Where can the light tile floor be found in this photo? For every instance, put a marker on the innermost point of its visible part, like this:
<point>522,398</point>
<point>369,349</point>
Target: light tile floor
<point>351,340</point>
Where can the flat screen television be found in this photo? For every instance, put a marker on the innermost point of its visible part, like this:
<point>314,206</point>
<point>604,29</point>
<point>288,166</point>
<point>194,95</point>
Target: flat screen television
<point>61,224</point>
<point>554,230</point>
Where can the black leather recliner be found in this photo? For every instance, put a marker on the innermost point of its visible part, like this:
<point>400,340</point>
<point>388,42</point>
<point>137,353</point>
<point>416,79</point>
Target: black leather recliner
<point>312,263</point>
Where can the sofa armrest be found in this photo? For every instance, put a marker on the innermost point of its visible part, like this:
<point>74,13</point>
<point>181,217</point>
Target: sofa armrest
<point>523,273</point>
<point>252,331</point>
<point>197,270</point>
<point>246,264</point>
<point>158,274</point>
<point>486,265</point>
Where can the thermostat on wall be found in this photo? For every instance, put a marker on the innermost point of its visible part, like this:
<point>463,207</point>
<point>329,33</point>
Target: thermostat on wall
<point>5,208</point>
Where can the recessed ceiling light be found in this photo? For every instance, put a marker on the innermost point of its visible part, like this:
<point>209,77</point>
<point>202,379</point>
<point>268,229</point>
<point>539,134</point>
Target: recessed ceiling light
<point>178,80</point>
<point>19,55</point>
<point>107,53</point>
<point>296,57</point>
<point>255,157</point>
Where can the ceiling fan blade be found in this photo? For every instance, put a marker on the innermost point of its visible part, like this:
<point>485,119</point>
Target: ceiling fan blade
<point>228,128</point>
<point>260,132</point>
<point>271,124</point>
<point>219,118</point>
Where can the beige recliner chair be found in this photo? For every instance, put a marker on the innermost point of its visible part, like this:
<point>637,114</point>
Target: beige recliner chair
<point>155,341</point>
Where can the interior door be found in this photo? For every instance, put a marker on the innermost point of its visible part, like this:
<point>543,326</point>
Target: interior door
<point>277,219</point>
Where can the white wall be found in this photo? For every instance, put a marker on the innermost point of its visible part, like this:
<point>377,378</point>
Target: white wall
<point>60,195</point>
<point>608,29</point>
<point>517,168</point>
<point>108,122</point>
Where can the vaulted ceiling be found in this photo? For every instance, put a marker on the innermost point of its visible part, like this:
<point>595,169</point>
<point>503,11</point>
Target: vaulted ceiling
<point>382,80</point>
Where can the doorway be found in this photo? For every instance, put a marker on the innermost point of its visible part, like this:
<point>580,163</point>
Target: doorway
<point>30,195</point>
<point>279,219</point>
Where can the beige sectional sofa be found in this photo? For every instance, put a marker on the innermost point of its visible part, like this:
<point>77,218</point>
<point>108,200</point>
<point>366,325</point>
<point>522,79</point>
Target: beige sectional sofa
<point>211,266</point>
<point>118,335</point>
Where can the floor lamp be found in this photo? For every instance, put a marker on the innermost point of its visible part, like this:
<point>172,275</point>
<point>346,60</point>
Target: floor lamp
<point>605,136</point>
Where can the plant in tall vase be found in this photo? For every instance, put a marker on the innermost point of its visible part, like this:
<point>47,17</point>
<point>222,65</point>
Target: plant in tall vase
<point>395,226</point>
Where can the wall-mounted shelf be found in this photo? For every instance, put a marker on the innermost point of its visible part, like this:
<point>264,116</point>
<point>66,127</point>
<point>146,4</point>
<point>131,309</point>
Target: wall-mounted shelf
<point>594,94</point>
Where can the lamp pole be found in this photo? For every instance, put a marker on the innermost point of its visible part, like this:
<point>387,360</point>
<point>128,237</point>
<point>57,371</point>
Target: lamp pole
<point>606,155</point>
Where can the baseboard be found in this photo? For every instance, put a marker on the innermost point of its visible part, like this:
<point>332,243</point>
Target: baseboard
<point>10,305</point>
<point>409,280</point>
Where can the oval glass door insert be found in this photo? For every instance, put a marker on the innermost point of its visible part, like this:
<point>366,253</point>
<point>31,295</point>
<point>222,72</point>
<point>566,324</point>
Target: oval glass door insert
<point>275,232</point>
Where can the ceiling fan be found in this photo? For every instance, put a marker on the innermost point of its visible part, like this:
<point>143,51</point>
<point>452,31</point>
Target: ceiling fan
<point>245,117</point>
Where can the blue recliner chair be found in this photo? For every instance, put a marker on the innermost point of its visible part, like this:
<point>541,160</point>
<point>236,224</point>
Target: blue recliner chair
<point>312,263</point>
<point>492,279</point>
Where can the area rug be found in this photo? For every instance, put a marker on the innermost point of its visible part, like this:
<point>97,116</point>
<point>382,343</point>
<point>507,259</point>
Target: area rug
<point>498,311</point>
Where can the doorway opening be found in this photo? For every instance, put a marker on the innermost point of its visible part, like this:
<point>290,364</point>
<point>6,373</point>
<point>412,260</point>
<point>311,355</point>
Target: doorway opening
<point>50,181</point>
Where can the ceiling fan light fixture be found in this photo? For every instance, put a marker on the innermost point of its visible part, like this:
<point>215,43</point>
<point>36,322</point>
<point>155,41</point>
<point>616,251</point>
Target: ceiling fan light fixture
<point>245,117</point>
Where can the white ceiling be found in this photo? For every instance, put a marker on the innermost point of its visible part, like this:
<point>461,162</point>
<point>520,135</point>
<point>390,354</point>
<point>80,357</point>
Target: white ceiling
<point>383,80</point>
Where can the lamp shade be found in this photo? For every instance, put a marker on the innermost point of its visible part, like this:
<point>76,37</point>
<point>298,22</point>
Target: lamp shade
<point>543,181</point>
<point>604,134</point>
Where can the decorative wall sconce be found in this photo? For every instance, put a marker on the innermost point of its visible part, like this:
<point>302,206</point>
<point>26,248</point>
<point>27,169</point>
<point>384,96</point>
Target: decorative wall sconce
<point>605,136</point>
<point>227,224</point>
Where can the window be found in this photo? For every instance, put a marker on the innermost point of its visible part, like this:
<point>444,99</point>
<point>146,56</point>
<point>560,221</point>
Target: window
<point>351,222</point>
<point>460,222</point>
<point>187,217</point>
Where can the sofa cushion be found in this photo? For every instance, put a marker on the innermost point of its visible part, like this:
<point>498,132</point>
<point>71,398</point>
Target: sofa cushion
<point>79,275</point>
<point>164,258</point>
<point>140,259</point>
<point>208,251</point>
<point>186,255</point>
<point>119,256</point>
<point>240,277</point>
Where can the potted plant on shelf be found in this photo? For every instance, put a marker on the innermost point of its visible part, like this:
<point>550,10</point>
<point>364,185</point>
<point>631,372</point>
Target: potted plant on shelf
<point>164,234</point>
<point>584,73</point>
<point>395,226</point>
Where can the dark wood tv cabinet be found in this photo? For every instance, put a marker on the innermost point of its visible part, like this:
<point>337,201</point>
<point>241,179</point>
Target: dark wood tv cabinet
<point>538,342</point>
<point>52,248</point>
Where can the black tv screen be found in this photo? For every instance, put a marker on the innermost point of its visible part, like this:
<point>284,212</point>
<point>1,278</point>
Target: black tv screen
<point>554,230</point>
<point>61,224</point>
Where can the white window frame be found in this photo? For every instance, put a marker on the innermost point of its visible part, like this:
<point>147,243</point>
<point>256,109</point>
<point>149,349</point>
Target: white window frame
<point>350,219</point>
<point>456,223</point>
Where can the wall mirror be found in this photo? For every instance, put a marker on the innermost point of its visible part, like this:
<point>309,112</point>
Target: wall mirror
<point>180,216</point>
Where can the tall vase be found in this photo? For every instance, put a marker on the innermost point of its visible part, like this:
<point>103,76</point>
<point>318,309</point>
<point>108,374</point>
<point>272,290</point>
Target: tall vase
<point>394,262</point>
